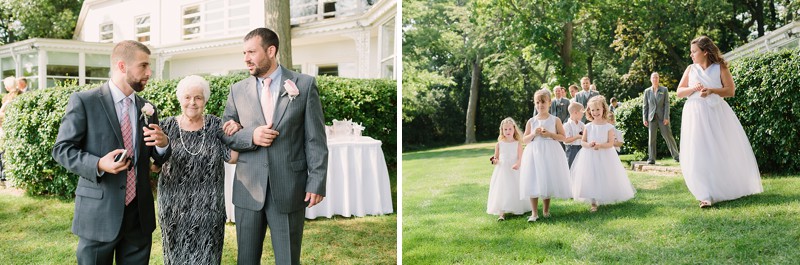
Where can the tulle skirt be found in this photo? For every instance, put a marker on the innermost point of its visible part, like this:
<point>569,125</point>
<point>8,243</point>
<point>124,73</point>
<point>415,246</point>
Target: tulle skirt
<point>504,191</point>
<point>717,160</point>
<point>598,176</point>
<point>544,172</point>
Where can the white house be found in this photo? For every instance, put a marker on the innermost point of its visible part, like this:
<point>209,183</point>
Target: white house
<point>786,37</point>
<point>348,38</point>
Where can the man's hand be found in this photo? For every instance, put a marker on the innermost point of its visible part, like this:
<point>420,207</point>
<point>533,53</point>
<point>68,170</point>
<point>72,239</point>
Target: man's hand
<point>264,135</point>
<point>155,136</point>
<point>230,127</point>
<point>666,122</point>
<point>313,199</point>
<point>645,123</point>
<point>107,164</point>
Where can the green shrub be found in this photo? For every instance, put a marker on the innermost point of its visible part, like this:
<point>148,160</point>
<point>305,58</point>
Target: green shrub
<point>768,105</point>
<point>33,120</point>
<point>629,120</point>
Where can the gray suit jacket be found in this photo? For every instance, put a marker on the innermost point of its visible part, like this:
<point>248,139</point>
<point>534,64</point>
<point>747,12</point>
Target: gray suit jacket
<point>655,104</point>
<point>559,108</point>
<point>89,130</point>
<point>297,160</point>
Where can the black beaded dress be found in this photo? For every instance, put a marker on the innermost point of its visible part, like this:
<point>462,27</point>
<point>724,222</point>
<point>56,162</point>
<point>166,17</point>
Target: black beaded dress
<point>191,202</point>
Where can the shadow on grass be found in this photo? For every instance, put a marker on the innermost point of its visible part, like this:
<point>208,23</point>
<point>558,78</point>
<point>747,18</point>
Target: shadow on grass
<point>445,154</point>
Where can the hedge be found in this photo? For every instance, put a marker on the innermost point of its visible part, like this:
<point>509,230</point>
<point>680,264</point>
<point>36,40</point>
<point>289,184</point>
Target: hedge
<point>33,119</point>
<point>767,104</point>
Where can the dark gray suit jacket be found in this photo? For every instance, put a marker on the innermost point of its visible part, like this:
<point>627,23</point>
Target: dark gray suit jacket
<point>657,103</point>
<point>297,160</point>
<point>89,130</point>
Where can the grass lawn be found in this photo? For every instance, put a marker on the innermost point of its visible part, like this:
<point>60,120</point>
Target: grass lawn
<point>37,231</point>
<point>445,221</point>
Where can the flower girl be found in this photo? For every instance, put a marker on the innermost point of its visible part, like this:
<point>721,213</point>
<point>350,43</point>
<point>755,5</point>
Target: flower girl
<point>503,189</point>
<point>544,171</point>
<point>598,175</point>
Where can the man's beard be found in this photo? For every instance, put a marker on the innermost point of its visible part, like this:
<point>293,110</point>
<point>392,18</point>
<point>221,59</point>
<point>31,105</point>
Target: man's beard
<point>258,71</point>
<point>136,85</point>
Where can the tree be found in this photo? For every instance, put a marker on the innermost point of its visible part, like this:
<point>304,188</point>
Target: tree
<point>277,18</point>
<point>21,20</point>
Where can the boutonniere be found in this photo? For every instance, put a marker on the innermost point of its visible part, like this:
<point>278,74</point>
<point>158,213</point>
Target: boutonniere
<point>291,89</point>
<point>147,111</point>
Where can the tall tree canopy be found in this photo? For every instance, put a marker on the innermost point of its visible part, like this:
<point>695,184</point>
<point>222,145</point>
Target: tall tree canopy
<point>25,19</point>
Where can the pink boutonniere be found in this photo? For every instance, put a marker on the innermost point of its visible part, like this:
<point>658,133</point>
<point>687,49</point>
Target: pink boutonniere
<point>291,89</point>
<point>147,111</point>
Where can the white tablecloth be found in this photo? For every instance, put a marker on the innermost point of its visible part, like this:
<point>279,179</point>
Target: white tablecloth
<point>357,184</point>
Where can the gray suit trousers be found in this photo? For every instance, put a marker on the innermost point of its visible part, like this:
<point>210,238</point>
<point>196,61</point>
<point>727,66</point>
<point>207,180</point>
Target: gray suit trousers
<point>653,126</point>
<point>132,245</point>
<point>286,231</point>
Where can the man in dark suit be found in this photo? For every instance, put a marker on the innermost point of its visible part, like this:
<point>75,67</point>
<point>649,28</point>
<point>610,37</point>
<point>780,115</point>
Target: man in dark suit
<point>655,116</point>
<point>584,96</point>
<point>114,214</point>
<point>283,153</point>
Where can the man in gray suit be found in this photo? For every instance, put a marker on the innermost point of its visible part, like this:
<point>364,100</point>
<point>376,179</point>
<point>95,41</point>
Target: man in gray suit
<point>655,115</point>
<point>114,214</point>
<point>584,96</point>
<point>559,104</point>
<point>283,154</point>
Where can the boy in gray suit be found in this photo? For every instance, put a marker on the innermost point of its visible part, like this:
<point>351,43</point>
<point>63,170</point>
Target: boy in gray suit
<point>655,116</point>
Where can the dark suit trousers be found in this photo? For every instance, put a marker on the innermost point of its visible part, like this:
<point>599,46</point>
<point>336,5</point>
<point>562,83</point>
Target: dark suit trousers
<point>286,231</point>
<point>666,132</point>
<point>132,246</point>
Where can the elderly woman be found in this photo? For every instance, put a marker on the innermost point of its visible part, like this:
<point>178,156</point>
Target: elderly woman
<point>191,205</point>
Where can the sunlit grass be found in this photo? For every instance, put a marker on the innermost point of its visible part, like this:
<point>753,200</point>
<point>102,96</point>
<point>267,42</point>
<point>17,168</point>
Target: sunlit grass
<point>445,221</point>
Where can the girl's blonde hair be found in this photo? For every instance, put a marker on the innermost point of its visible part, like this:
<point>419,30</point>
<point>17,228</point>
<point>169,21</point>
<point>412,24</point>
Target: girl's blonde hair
<point>599,101</point>
<point>517,134</point>
<point>707,45</point>
<point>541,93</point>
<point>611,119</point>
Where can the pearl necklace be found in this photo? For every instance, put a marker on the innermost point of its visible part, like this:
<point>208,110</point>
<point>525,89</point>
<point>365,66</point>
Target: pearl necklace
<point>202,136</point>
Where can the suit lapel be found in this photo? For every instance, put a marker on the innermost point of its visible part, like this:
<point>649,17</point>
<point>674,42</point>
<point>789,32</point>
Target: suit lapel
<point>283,97</point>
<point>111,112</point>
<point>139,131</point>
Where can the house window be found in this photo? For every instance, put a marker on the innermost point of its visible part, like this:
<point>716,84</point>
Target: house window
<point>328,9</point>
<point>107,32</point>
<point>143,28</point>
<point>387,49</point>
<point>191,22</point>
<point>332,70</point>
<point>62,68</point>
<point>97,68</point>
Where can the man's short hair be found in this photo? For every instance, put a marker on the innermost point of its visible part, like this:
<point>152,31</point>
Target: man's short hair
<point>268,37</point>
<point>126,50</point>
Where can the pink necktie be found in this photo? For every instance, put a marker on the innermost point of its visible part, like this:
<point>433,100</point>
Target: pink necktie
<point>266,101</point>
<point>127,138</point>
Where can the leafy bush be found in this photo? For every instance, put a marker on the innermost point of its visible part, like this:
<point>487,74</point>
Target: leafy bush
<point>33,120</point>
<point>766,103</point>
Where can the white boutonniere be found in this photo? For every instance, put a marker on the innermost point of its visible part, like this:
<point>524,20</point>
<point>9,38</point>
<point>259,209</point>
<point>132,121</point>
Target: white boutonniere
<point>291,90</point>
<point>147,111</point>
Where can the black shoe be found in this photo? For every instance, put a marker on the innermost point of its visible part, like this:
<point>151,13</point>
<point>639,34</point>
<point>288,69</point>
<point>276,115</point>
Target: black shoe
<point>677,160</point>
<point>651,162</point>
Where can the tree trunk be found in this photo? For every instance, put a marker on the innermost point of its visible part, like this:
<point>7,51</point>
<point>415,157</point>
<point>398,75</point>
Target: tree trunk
<point>472,108</point>
<point>277,18</point>
<point>566,51</point>
<point>589,68</point>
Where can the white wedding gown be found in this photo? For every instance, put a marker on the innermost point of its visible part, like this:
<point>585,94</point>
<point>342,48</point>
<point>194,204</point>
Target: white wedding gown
<point>717,160</point>
<point>544,172</point>
<point>504,186</point>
